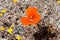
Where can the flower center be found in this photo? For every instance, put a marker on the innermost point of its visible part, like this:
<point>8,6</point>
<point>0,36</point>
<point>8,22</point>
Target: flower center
<point>31,18</point>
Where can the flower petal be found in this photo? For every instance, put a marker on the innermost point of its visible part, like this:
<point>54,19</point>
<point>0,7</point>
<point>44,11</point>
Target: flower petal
<point>31,10</point>
<point>36,19</point>
<point>25,21</point>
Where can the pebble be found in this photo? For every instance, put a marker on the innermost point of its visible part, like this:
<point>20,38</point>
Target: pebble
<point>26,0</point>
<point>0,8</point>
<point>1,23</point>
<point>4,39</point>
<point>59,26</point>
<point>58,37</point>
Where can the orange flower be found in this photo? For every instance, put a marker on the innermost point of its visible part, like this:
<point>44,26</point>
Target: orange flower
<point>32,16</point>
<point>25,21</point>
